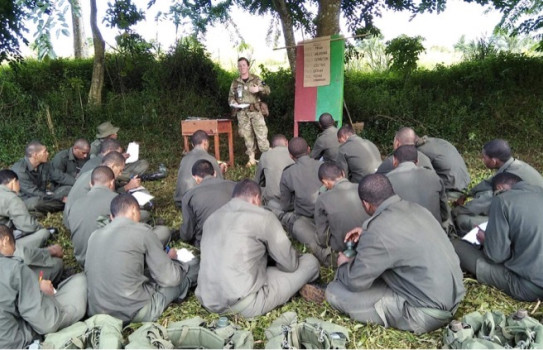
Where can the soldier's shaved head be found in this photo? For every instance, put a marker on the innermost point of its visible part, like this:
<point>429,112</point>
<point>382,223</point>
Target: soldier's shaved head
<point>298,147</point>
<point>81,144</point>
<point>326,120</point>
<point>330,171</point>
<point>375,189</point>
<point>246,189</point>
<point>498,149</point>
<point>406,153</point>
<point>33,147</point>
<point>102,176</point>
<point>405,136</point>
<point>279,140</point>
<point>110,145</point>
<point>113,159</point>
<point>202,168</point>
<point>345,131</point>
<point>198,137</point>
<point>504,180</point>
<point>122,204</point>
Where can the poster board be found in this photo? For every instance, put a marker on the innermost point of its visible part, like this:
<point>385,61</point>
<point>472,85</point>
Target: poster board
<point>311,101</point>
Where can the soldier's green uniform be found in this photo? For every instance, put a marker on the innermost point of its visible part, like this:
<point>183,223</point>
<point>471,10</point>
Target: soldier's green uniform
<point>268,176</point>
<point>27,313</point>
<point>82,187</point>
<point>65,162</point>
<point>83,216</point>
<point>300,187</point>
<point>34,185</point>
<point>422,186</point>
<point>30,236</point>
<point>511,258</point>
<point>447,162</point>
<point>337,211</point>
<point>358,157</point>
<point>405,274</point>
<point>14,214</point>
<point>185,181</point>
<point>238,240</point>
<point>91,164</point>
<point>387,164</point>
<point>326,145</point>
<point>475,211</point>
<point>199,203</point>
<point>117,256</point>
<point>251,122</point>
<point>131,169</point>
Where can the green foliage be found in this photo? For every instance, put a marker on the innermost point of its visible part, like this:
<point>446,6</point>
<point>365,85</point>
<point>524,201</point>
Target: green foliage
<point>405,52</point>
<point>12,30</point>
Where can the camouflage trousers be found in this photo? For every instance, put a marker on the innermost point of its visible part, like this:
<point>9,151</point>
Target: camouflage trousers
<point>252,124</point>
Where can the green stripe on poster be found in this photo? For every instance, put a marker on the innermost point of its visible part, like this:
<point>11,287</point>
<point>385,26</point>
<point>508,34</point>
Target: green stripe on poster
<point>330,97</point>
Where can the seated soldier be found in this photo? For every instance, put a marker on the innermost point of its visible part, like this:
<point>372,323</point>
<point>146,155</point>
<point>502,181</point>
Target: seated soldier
<point>14,214</point>
<point>30,236</point>
<point>337,211</point>
<point>118,257</point>
<point>29,306</point>
<point>405,273</point>
<point>269,171</point>
<point>238,242</point>
<point>203,200</point>
<point>511,258</point>
<point>185,181</point>
<point>496,155</point>
<point>403,137</point>
<point>418,185</point>
<point>326,145</point>
<point>89,212</point>
<point>106,131</point>
<point>447,162</point>
<point>357,157</point>
<point>107,146</point>
<point>70,161</point>
<point>300,187</point>
<point>35,175</point>
<point>115,161</point>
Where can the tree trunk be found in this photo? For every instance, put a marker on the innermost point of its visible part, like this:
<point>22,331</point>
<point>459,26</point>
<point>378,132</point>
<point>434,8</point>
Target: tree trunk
<point>98,67</point>
<point>328,17</point>
<point>288,32</point>
<point>80,46</point>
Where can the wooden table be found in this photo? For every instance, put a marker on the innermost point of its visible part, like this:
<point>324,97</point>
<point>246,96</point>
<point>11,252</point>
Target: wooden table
<point>213,127</point>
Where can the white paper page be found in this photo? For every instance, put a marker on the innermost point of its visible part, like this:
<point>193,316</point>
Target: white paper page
<point>240,105</point>
<point>134,151</point>
<point>184,255</point>
<point>142,197</point>
<point>471,236</point>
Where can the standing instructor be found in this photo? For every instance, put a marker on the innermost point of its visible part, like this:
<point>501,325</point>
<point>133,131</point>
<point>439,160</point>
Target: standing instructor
<point>244,97</point>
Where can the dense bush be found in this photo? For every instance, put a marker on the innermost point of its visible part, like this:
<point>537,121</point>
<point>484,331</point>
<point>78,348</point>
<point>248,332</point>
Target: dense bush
<point>468,103</point>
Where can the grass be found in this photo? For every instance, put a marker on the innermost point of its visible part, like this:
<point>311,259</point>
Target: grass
<point>478,297</point>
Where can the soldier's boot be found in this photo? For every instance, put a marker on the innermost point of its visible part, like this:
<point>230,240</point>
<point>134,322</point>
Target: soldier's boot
<point>252,161</point>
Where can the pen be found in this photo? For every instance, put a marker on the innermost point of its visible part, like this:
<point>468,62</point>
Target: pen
<point>41,276</point>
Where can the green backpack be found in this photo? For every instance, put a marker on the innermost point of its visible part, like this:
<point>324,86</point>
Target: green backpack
<point>494,330</point>
<point>189,334</point>
<point>287,333</point>
<point>97,332</point>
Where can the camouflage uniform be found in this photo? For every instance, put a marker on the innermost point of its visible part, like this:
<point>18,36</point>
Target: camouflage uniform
<point>251,122</point>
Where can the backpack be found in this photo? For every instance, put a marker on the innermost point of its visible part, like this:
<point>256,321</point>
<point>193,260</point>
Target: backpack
<point>287,333</point>
<point>189,334</point>
<point>493,330</point>
<point>97,332</point>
